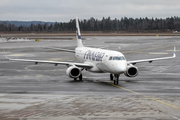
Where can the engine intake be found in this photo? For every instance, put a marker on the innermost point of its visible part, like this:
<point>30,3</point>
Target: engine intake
<point>132,71</point>
<point>73,72</point>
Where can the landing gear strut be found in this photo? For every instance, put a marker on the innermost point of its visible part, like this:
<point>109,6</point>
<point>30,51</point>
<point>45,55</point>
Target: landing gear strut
<point>115,77</point>
<point>80,78</point>
<point>111,76</point>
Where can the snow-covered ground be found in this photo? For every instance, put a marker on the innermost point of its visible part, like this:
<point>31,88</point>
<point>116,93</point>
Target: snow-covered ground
<point>15,39</point>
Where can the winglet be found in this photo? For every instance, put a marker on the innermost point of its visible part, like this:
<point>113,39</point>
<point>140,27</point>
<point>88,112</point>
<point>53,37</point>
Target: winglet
<point>174,54</point>
<point>5,54</point>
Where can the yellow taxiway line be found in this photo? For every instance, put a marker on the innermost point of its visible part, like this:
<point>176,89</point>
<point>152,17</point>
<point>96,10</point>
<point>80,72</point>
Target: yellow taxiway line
<point>145,96</point>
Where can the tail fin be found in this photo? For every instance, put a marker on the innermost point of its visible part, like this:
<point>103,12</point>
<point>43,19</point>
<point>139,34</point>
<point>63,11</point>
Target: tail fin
<point>78,36</point>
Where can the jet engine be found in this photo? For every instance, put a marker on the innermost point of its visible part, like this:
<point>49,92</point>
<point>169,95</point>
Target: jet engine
<point>73,72</point>
<point>132,71</point>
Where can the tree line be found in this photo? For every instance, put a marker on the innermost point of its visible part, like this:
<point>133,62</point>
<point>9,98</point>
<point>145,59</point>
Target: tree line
<point>106,24</point>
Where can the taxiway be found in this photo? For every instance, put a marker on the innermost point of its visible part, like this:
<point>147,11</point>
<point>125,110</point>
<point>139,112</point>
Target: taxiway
<point>44,91</point>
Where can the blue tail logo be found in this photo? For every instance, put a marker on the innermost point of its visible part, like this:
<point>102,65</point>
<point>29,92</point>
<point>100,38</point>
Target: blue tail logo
<point>79,36</point>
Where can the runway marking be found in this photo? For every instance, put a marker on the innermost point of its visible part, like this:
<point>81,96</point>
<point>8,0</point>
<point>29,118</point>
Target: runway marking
<point>38,75</point>
<point>175,117</point>
<point>125,89</point>
<point>145,49</point>
<point>28,68</point>
<point>172,50</point>
<point>17,55</point>
<point>146,96</point>
<point>161,102</point>
<point>156,53</point>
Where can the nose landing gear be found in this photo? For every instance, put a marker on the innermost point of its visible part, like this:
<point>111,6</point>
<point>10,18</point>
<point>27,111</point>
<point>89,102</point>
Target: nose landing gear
<point>115,77</point>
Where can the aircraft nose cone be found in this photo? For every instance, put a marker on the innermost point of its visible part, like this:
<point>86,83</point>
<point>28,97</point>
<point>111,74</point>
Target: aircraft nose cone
<point>121,68</point>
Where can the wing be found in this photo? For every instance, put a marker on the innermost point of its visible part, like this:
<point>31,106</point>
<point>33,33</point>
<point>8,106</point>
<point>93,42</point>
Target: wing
<point>60,49</point>
<point>81,65</point>
<point>154,59</point>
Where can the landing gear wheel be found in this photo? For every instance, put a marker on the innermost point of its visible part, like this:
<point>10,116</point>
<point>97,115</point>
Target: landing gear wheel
<point>111,76</point>
<point>75,79</point>
<point>80,77</point>
<point>116,82</point>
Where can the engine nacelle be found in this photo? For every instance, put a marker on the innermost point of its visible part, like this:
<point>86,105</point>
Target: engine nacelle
<point>73,72</point>
<point>132,71</point>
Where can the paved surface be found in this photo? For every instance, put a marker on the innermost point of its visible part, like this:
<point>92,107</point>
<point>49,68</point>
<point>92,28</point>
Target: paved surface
<point>43,91</point>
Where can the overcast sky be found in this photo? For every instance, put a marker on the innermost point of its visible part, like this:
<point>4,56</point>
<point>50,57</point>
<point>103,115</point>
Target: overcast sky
<point>64,10</point>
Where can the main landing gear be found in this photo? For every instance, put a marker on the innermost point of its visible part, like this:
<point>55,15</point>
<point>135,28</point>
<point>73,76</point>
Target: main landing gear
<point>80,78</point>
<point>115,77</point>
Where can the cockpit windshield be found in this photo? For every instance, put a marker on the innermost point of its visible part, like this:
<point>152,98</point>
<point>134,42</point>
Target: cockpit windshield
<point>117,58</point>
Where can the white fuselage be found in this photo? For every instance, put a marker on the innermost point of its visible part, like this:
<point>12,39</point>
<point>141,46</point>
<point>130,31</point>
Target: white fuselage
<point>102,60</point>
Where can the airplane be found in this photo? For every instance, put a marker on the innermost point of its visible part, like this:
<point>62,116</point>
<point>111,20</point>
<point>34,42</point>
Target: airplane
<point>97,60</point>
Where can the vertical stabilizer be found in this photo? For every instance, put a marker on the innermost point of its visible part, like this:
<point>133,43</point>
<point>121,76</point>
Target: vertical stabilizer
<point>78,34</point>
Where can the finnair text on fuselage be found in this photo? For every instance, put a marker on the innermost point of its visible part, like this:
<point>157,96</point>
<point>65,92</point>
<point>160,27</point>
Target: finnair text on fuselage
<point>94,55</point>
